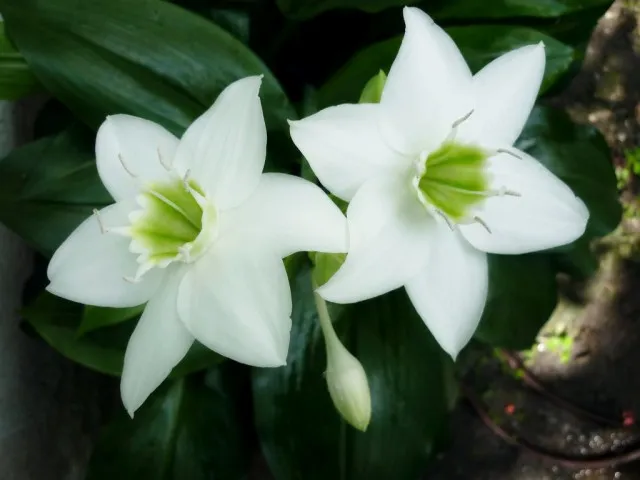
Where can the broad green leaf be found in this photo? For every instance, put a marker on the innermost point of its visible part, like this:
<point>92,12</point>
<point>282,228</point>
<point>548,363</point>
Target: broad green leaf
<point>522,295</point>
<point>474,9</point>
<point>49,186</point>
<point>16,80</point>
<point>57,320</point>
<point>303,9</point>
<point>94,318</point>
<point>186,430</point>
<point>578,155</point>
<point>479,44</point>
<point>406,373</point>
<point>147,58</point>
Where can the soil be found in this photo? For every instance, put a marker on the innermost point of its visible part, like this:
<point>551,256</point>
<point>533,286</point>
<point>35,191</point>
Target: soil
<point>589,352</point>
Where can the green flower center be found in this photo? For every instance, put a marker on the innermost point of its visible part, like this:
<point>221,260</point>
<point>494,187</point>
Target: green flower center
<point>453,179</point>
<point>175,223</point>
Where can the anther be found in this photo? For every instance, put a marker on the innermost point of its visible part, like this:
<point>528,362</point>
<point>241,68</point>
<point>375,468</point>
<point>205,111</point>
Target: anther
<point>511,193</point>
<point>166,166</point>
<point>131,174</point>
<point>461,120</point>
<point>446,219</point>
<point>482,222</point>
<point>103,229</point>
<point>502,150</point>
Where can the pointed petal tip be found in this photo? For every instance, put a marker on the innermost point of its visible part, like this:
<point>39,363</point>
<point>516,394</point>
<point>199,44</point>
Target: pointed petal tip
<point>410,13</point>
<point>251,84</point>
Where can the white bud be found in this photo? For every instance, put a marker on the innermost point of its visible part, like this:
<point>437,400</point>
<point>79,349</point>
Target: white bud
<point>348,385</point>
<point>346,379</point>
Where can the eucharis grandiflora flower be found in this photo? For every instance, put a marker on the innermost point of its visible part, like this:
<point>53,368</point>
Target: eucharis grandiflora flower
<point>198,233</point>
<point>434,182</point>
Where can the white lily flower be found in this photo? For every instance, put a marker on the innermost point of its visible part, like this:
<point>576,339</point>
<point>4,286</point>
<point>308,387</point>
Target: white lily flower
<point>434,182</point>
<point>198,232</point>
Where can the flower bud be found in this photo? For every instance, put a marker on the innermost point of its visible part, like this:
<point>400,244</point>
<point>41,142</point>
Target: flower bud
<point>348,385</point>
<point>346,379</point>
<point>372,91</point>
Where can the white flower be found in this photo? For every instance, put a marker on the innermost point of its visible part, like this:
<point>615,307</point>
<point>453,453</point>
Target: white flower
<point>434,182</point>
<point>198,232</point>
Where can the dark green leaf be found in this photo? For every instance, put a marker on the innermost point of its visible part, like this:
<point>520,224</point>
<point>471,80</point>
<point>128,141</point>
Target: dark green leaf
<point>522,295</point>
<point>185,430</point>
<point>468,9</point>
<point>57,321</point>
<point>147,58</point>
<point>578,155</point>
<point>406,375</point>
<point>49,186</point>
<point>16,80</point>
<point>94,318</point>
<point>302,9</point>
<point>479,44</point>
<point>235,22</point>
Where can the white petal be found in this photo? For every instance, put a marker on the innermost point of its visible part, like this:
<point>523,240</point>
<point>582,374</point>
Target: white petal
<point>90,266</point>
<point>131,151</point>
<point>287,214</point>
<point>388,241</point>
<point>237,301</point>
<point>344,147</point>
<point>547,213</point>
<point>158,343</point>
<point>506,91</point>
<point>450,291</point>
<point>428,88</point>
<point>225,149</point>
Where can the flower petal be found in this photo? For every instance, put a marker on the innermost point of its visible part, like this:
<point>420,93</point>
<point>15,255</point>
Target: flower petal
<point>388,241</point>
<point>506,90</point>
<point>428,88</point>
<point>450,291</point>
<point>159,341</point>
<point>344,147</point>
<point>130,151</point>
<point>287,214</point>
<point>546,213</point>
<point>237,301</point>
<point>225,149</point>
<point>90,266</point>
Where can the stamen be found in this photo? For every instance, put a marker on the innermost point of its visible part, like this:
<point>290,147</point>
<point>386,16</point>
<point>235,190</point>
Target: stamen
<point>502,150</point>
<point>131,174</point>
<point>184,252</point>
<point>509,193</point>
<point>460,121</point>
<point>482,222</point>
<point>454,127</point>
<point>185,181</point>
<point>103,229</point>
<point>133,280</point>
<point>166,166</point>
<point>446,219</point>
